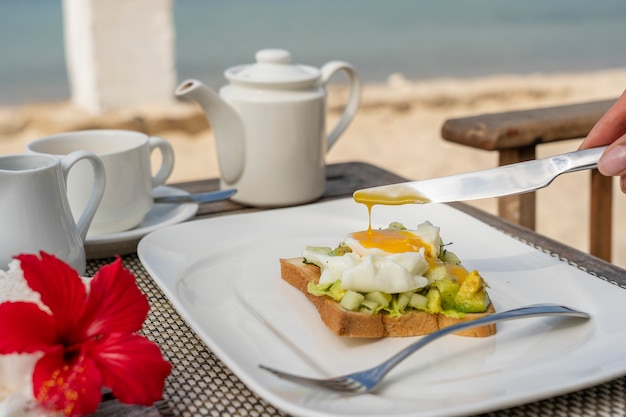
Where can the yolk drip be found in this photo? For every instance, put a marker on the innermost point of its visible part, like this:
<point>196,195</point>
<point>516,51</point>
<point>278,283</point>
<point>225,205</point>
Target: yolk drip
<point>390,241</point>
<point>396,195</point>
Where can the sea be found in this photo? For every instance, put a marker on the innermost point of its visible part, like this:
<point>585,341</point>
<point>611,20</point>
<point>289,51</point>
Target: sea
<point>420,39</point>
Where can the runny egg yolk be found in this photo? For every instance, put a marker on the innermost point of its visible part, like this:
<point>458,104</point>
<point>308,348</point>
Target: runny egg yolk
<point>391,241</point>
<point>458,272</point>
<point>391,195</point>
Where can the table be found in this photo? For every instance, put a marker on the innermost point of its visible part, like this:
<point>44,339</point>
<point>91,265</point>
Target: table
<point>200,385</point>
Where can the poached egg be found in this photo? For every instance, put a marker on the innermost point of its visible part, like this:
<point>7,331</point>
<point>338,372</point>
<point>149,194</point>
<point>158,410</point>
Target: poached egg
<point>391,260</point>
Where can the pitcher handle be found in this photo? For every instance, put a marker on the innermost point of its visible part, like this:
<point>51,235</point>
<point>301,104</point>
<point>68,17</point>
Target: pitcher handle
<point>99,182</point>
<point>354,97</point>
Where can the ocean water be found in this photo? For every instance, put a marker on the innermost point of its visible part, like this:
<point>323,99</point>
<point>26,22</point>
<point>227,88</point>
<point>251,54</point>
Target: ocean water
<point>419,38</point>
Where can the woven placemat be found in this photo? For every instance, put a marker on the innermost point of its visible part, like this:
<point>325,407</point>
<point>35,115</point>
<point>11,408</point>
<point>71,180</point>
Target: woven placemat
<point>201,385</point>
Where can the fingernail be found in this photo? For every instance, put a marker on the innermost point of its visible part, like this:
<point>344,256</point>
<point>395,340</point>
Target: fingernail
<point>613,162</point>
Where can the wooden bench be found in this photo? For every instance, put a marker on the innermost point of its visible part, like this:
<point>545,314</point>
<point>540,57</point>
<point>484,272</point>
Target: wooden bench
<point>516,134</point>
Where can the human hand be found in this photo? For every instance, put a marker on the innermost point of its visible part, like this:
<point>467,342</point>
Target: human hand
<point>611,130</point>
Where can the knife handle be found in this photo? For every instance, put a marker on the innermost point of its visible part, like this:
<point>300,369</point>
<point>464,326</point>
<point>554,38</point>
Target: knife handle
<point>580,160</point>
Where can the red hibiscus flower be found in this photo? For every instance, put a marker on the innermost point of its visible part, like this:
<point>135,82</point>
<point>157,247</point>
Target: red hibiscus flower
<point>88,337</point>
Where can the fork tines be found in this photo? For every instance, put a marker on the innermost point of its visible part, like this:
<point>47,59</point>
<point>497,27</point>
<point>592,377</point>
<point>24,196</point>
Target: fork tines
<point>343,384</point>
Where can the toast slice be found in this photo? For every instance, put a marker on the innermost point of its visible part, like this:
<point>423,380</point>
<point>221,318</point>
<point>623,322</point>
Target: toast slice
<point>356,324</point>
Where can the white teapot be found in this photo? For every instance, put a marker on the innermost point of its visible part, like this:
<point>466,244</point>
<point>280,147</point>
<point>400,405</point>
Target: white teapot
<point>270,129</point>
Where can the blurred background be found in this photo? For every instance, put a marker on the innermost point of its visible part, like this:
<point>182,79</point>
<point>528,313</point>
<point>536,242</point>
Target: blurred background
<point>419,39</point>
<point>422,62</point>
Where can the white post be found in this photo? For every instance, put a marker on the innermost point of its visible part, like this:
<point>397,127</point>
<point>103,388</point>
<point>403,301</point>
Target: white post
<point>119,53</point>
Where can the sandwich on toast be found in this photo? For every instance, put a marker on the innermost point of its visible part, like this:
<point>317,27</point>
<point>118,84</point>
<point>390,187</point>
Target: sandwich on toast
<point>391,282</point>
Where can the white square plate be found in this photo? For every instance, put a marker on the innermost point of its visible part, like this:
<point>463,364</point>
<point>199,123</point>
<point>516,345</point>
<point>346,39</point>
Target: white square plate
<point>222,275</point>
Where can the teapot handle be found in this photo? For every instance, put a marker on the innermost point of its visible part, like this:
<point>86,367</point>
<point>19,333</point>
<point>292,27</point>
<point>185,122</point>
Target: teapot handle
<point>354,97</point>
<point>67,162</point>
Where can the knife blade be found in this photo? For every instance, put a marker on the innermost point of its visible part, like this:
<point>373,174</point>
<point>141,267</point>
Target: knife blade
<point>505,180</point>
<point>197,198</point>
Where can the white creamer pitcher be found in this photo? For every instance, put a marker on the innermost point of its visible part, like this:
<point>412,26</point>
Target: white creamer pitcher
<point>34,212</point>
<point>270,127</point>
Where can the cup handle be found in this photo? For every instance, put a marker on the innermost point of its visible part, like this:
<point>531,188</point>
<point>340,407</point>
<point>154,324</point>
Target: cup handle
<point>99,182</point>
<point>167,164</point>
<point>354,97</point>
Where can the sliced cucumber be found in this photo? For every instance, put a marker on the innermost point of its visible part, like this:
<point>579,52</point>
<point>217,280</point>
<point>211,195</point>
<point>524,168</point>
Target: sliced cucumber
<point>404,300</point>
<point>381,298</point>
<point>436,273</point>
<point>418,301</point>
<point>450,257</point>
<point>352,300</point>
<point>369,307</point>
<point>324,250</point>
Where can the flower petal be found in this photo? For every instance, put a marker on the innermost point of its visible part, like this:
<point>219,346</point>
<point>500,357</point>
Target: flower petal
<point>16,373</point>
<point>132,366</point>
<point>114,303</point>
<point>72,387</point>
<point>59,286</point>
<point>25,328</point>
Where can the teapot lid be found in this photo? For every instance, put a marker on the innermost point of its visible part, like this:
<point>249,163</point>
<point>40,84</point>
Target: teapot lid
<point>273,66</point>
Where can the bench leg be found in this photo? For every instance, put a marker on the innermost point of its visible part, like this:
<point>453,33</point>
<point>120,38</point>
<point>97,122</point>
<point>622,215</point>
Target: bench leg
<point>519,209</point>
<point>601,215</point>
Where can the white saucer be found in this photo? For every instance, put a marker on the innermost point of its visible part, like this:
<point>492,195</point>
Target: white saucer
<point>161,215</point>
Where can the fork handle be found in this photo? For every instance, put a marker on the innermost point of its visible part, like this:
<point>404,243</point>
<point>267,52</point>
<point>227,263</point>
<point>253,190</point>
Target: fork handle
<point>518,313</point>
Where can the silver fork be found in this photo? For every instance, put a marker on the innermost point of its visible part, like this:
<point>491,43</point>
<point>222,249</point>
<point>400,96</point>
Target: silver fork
<point>367,380</point>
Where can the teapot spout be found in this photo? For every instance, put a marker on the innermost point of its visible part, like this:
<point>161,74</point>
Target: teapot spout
<point>227,127</point>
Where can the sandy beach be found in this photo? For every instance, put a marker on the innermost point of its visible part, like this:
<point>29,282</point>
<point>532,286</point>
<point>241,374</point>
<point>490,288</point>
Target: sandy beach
<point>397,127</point>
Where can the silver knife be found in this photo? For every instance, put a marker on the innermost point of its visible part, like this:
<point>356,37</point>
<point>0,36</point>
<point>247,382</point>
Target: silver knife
<point>510,179</point>
<point>197,198</point>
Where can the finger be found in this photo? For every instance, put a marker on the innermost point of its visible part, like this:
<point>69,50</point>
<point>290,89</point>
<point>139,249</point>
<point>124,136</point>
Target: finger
<point>613,160</point>
<point>610,126</point>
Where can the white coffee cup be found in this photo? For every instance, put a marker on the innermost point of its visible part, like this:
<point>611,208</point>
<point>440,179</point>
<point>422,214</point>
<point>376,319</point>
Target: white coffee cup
<point>126,155</point>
